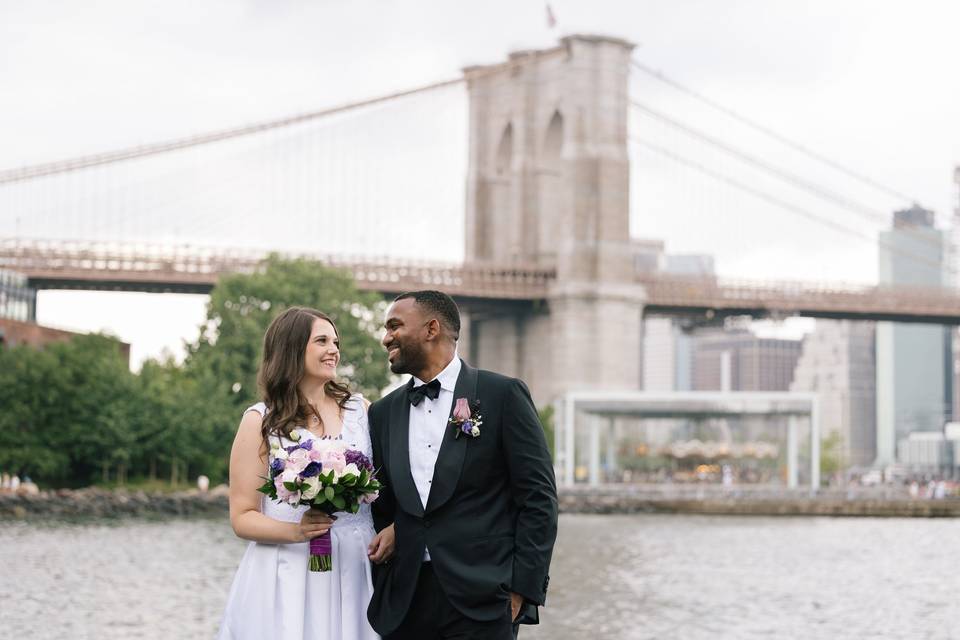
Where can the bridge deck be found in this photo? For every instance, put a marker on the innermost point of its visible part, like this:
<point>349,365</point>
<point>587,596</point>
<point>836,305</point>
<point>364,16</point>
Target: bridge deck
<point>78,266</point>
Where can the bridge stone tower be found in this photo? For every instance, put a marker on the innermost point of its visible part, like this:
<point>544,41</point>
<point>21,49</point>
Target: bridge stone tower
<point>548,187</point>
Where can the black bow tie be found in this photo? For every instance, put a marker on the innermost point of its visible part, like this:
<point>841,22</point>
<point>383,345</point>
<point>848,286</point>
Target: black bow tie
<point>416,394</point>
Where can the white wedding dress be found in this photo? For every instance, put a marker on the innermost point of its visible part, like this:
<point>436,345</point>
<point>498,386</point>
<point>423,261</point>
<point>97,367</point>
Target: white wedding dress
<point>275,596</point>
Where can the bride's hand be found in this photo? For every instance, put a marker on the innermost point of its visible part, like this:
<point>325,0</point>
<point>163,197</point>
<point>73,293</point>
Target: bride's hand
<point>314,523</point>
<point>381,547</point>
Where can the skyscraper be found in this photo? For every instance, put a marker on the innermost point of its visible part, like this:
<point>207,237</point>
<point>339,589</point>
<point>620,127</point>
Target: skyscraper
<point>755,363</point>
<point>914,362</point>
<point>838,364</point>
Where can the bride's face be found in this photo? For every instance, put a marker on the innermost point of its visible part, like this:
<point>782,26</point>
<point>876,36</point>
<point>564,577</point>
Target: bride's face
<point>323,352</point>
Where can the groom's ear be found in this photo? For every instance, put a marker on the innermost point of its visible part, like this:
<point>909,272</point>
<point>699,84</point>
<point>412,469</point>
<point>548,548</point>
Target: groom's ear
<point>434,329</point>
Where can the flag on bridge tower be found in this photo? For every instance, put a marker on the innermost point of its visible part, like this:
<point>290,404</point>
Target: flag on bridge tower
<point>551,19</point>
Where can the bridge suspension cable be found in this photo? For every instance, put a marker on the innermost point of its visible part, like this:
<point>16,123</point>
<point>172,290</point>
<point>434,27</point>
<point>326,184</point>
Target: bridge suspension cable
<point>767,131</point>
<point>817,190</point>
<point>141,151</point>
<point>800,211</point>
<point>30,172</point>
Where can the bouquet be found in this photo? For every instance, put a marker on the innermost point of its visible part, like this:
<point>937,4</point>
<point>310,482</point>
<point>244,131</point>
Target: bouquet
<point>323,474</point>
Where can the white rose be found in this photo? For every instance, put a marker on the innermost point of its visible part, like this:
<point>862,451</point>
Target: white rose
<point>475,431</point>
<point>351,469</point>
<point>280,454</point>
<point>311,487</point>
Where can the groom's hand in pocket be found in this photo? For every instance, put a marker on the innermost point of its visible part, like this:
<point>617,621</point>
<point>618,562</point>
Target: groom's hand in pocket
<point>381,547</point>
<point>314,523</point>
<point>516,601</point>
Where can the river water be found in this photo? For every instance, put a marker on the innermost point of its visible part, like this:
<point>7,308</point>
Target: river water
<point>632,577</point>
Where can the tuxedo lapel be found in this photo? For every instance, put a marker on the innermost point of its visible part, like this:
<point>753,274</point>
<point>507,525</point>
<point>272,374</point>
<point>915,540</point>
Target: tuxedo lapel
<point>404,489</point>
<point>446,473</point>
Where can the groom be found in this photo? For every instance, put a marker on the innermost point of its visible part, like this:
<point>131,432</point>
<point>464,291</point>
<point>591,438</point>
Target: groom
<point>469,486</point>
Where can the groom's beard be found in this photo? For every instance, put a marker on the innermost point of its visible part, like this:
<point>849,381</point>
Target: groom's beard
<point>409,357</point>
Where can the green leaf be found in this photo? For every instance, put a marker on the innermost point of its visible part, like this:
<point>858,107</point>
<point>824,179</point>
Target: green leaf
<point>338,503</point>
<point>328,493</point>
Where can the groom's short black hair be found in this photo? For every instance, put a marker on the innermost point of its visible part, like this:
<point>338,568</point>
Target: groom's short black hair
<point>439,303</point>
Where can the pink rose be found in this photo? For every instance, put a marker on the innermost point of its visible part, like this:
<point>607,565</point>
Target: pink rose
<point>462,410</point>
<point>285,495</point>
<point>298,459</point>
<point>333,460</point>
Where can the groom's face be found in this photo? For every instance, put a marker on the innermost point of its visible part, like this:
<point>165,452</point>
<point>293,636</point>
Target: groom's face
<point>404,339</point>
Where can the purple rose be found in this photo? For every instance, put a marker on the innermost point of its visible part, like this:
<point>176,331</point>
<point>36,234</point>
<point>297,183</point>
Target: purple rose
<point>357,458</point>
<point>277,466</point>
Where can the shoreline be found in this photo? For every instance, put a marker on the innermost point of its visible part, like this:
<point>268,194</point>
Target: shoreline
<point>93,502</point>
<point>826,506</point>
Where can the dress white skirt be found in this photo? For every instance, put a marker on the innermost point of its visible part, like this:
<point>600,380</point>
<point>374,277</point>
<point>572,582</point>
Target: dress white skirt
<point>275,596</point>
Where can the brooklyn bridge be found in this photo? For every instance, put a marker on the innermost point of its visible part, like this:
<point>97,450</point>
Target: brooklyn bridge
<point>547,258</point>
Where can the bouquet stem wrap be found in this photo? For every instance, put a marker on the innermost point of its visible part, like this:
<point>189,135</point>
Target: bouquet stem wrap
<point>321,553</point>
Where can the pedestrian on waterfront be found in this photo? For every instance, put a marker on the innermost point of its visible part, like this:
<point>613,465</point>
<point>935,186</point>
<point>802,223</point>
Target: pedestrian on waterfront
<point>274,594</point>
<point>469,487</point>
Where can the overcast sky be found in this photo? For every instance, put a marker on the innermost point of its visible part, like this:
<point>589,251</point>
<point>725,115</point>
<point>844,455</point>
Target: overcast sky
<point>871,85</point>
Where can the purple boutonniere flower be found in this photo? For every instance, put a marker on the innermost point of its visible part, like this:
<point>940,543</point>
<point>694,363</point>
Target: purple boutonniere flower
<point>464,420</point>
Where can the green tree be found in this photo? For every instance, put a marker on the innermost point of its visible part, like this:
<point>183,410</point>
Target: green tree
<point>64,410</point>
<point>831,457</point>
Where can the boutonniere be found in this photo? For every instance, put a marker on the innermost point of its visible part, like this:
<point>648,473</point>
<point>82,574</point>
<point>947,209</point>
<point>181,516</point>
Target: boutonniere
<point>464,420</point>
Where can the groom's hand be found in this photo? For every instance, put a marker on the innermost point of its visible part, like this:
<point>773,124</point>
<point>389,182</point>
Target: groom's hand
<point>381,547</point>
<point>516,601</point>
<point>314,523</point>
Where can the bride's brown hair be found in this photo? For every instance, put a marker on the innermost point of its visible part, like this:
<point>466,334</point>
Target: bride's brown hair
<point>281,370</point>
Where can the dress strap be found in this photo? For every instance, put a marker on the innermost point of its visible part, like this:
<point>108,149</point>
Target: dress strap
<point>260,408</point>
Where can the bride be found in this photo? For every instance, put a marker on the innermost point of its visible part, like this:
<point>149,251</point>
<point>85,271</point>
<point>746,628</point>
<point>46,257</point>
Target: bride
<point>274,595</point>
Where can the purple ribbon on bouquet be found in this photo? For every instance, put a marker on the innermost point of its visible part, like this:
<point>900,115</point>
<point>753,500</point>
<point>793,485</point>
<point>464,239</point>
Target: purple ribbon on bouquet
<point>321,553</point>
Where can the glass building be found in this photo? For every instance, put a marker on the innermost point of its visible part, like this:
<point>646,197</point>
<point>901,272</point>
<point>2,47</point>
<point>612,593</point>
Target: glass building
<point>914,361</point>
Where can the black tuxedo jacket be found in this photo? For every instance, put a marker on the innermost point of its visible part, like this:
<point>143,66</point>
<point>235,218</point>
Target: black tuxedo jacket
<point>491,518</point>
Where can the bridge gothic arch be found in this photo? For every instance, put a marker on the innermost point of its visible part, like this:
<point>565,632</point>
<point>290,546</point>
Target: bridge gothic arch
<point>553,201</point>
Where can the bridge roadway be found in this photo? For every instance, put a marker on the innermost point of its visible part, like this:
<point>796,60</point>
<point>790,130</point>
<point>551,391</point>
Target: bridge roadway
<point>92,266</point>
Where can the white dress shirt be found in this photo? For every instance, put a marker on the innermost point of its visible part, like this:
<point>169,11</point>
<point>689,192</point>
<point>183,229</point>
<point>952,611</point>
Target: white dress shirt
<point>428,423</point>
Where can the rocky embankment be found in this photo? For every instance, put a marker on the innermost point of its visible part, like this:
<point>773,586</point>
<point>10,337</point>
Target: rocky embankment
<point>104,503</point>
<point>581,501</point>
